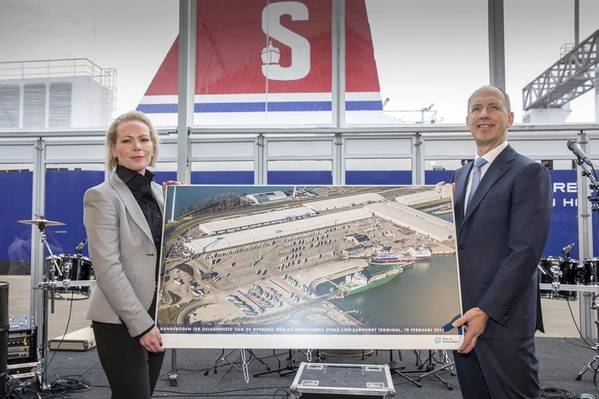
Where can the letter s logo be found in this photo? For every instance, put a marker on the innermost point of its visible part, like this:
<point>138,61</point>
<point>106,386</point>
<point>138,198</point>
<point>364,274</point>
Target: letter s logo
<point>300,47</point>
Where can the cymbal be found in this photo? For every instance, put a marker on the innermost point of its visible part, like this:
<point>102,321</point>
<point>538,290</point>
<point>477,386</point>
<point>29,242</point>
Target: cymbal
<point>41,222</point>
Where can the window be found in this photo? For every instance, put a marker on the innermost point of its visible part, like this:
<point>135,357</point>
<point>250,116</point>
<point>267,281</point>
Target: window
<point>10,97</point>
<point>59,112</point>
<point>34,105</point>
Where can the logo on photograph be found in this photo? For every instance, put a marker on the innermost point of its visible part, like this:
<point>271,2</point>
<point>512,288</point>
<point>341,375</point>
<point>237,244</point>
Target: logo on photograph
<point>445,340</point>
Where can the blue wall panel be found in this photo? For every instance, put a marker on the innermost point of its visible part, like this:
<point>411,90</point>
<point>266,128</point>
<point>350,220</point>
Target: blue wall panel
<point>160,177</point>
<point>378,177</point>
<point>564,220</point>
<point>15,238</point>
<point>436,176</point>
<point>300,177</point>
<point>64,202</point>
<point>223,177</point>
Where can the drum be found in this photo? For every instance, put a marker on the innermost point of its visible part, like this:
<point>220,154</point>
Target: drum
<point>590,272</point>
<point>72,267</point>
<point>559,270</point>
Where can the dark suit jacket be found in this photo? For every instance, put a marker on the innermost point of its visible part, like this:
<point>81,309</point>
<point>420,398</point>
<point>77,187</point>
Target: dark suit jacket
<point>500,240</point>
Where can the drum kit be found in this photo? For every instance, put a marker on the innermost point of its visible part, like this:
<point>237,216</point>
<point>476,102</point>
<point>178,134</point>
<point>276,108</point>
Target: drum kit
<point>64,276</point>
<point>559,271</point>
<point>64,273</point>
<point>561,278</point>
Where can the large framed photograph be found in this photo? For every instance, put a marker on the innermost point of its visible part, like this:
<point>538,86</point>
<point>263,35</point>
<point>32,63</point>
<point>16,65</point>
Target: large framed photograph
<point>370,267</point>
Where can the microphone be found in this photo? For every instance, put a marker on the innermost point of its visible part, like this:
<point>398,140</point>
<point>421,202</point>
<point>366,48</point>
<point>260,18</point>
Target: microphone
<point>580,154</point>
<point>80,246</point>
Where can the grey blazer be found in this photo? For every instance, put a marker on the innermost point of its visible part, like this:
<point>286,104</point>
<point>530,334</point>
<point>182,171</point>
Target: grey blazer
<point>123,255</point>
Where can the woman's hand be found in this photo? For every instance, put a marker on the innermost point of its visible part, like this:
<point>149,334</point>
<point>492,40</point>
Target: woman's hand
<point>152,340</point>
<point>169,183</point>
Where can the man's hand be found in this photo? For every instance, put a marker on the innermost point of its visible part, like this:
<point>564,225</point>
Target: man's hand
<point>475,322</point>
<point>152,340</point>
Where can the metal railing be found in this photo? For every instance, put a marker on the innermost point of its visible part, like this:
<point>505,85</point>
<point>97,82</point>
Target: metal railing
<point>67,67</point>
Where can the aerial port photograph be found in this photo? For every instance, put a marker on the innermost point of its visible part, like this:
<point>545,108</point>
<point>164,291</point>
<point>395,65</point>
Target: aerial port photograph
<point>308,260</point>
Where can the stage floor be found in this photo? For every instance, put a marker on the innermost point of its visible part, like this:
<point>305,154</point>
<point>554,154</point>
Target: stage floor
<point>560,360</point>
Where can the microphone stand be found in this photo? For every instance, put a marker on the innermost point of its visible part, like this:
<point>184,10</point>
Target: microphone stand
<point>80,246</point>
<point>589,172</point>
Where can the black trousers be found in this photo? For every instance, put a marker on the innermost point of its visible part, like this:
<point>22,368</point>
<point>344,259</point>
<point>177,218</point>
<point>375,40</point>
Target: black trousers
<point>132,371</point>
<point>499,369</point>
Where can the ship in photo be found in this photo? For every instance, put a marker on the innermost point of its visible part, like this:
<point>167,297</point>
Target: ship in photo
<point>359,282</point>
<point>413,254</point>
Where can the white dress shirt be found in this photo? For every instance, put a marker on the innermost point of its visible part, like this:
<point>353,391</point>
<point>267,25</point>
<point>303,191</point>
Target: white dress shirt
<point>489,157</point>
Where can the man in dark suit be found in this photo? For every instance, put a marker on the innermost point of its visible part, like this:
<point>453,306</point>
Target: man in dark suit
<point>502,210</point>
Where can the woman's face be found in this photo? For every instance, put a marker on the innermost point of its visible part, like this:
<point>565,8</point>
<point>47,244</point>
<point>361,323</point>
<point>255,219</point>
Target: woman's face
<point>133,149</point>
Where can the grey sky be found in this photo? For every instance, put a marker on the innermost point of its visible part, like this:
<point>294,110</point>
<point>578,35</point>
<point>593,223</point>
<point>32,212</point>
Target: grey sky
<point>427,51</point>
<point>132,36</point>
<point>431,51</point>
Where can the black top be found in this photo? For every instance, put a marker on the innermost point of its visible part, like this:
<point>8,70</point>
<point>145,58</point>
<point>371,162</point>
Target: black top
<point>140,186</point>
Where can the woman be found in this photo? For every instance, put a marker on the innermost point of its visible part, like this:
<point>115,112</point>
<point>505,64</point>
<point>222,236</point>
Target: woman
<point>123,220</point>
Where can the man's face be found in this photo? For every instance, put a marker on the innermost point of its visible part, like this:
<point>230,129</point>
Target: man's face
<point>488,118</point>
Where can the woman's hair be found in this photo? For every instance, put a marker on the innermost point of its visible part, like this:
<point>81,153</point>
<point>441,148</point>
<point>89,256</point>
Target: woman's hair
<point>111,160</point>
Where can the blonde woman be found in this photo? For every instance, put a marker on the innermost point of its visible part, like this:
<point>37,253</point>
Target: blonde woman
<point>123,220</point>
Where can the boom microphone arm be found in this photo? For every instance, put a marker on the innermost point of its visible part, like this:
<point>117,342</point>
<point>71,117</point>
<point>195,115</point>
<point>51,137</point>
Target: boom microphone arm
<point>580,154</point>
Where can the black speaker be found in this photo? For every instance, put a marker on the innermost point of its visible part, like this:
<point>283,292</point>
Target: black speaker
<point>4,327</point>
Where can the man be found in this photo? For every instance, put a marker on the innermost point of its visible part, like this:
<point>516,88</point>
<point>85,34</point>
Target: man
<point>502,209</point>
